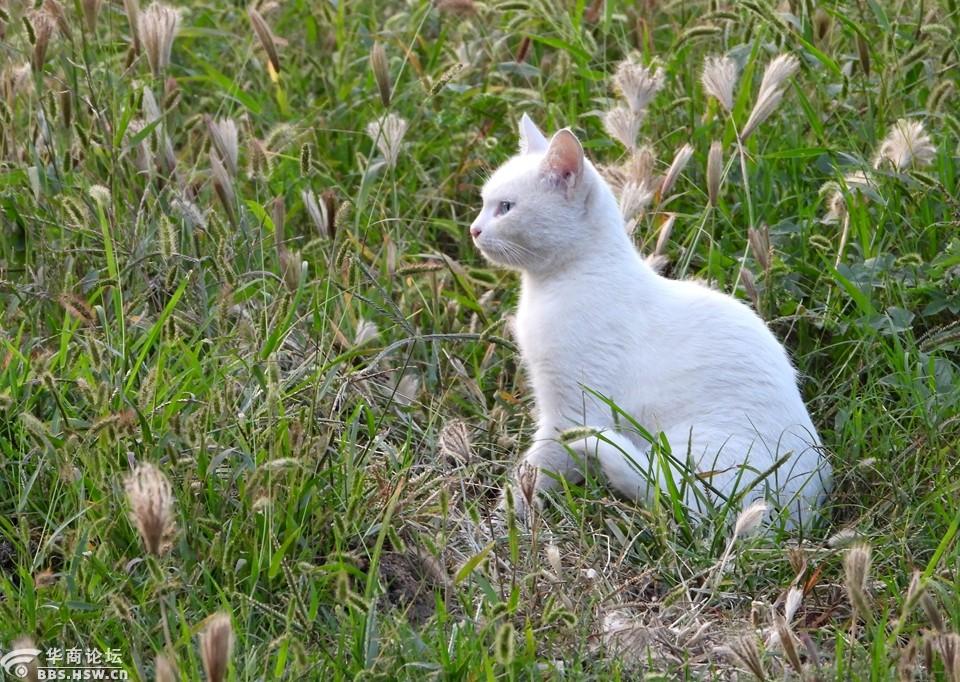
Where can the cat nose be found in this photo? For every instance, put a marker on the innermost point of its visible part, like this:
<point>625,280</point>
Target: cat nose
<point>475,230</point>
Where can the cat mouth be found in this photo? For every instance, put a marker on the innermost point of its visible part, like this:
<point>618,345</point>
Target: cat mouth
<point>500,252</point>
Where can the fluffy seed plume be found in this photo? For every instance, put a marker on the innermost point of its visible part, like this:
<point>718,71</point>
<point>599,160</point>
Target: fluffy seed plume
<point>719,78</point>
<point>856,569</point>
<point>265,36</point>
<point>623,125</point>
<point>151,507</point>
<point>750,518</point>
<point>216,646</point>
<point>680,160</point>
<point>638,84</point>
<point>906,144</point>
<point>158,27</point>
<point>714,171</point>
<point>771,91</point>
<point>387,133</point>
<point>225,137</point>
<point>381,72</point>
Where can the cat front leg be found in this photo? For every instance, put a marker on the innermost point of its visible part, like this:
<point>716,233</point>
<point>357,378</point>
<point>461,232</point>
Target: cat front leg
<point>542,466</point>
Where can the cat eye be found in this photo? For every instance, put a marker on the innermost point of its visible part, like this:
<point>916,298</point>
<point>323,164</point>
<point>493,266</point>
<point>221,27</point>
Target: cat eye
<point>503,207</point>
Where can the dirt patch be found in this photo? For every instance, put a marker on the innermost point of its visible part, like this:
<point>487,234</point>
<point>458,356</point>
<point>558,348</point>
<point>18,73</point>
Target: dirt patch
<point>411,580</point>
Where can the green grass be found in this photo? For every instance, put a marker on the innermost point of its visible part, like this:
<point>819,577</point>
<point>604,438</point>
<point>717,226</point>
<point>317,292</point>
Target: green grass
<point>325,494</point>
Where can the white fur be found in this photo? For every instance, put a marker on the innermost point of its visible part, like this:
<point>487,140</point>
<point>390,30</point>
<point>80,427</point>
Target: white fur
<point>682,359</point>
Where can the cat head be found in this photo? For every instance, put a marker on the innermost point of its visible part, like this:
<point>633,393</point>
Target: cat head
<point>545,205</point>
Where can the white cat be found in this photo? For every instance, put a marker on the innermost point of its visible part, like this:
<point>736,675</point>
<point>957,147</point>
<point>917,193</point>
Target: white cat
<point>680,358</point>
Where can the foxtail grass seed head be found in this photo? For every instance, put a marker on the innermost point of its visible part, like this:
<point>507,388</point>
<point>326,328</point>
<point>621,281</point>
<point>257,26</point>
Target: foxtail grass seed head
<point>158,27</point>
<point>759,241</point>
<point>623,124</point>
<point>91,11</point>
<point>290,268</point>
<point>306,159</point>
<point>132,10</point>
<point>225,138</point>
<point>714,171</point>
<point>907,144</point>
<point>639,167</point>
<point>940,95</point>
<point>663,235</point>
<point>101,195</point>
<point>772,86</point>
<point>949,645</point>
<point>931,610</point>
<point>634,199</point>
<point>381,72</point>
<point>151,113</point>
<point>42,25</point>
<point>317,211</point>
<point>527,476</point>
<point>216,647</point>
<point>504,646</point>
<point>749,283</point>
<point>223,185</point>
<point>638,84</point>
<point>719,78</point>
<point>680,160</point>
<point>15,80</point>
<point>151,507</point>
<point>857,182</point>
<point>454,441</point>
<point>278,214</point>
<point>265,36</point>
<point>788,643</point>
<point>387,133</point>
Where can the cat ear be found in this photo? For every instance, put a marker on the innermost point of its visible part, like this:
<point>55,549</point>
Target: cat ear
<point>563,162</point>
<point>531,139</point>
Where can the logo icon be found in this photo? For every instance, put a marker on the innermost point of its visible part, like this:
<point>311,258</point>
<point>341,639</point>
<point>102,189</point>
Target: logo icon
<point>17,662</point>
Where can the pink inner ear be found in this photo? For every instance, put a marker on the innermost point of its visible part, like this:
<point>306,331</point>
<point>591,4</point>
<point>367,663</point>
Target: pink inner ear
<point>564,158</point>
